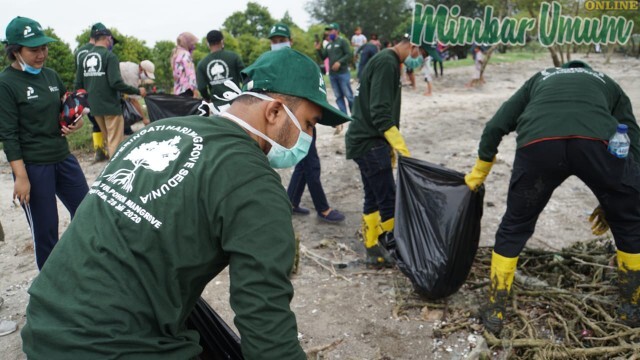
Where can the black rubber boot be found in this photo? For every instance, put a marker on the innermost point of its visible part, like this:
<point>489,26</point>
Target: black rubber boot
<point>492,315</point>
<point>99,156</point>
<point>629,286</point>
<point>378,257</point>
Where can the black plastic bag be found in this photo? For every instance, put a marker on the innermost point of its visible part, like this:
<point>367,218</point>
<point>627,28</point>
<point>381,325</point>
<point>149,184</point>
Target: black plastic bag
<point>437,227</point>
<point>130,113</point>
<point>161,106</point>
<point>217,339</point>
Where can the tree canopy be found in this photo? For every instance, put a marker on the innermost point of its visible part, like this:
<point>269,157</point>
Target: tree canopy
<point>255,21</point>
<point>381,17</point>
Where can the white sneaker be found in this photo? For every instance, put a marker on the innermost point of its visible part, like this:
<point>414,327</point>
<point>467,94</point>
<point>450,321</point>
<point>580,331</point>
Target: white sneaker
<point>7,327</point>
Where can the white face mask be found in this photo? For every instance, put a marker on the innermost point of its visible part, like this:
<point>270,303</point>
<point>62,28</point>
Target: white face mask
<point>279,156</point>
<point>281,45</point>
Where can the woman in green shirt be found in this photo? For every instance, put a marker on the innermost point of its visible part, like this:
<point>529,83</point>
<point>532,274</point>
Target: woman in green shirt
<point>33,141</point>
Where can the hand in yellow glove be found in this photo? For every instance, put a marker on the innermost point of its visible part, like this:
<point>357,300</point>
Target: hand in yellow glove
<point>598,221</point>
<point>396,141</point>
<point>477,175</point>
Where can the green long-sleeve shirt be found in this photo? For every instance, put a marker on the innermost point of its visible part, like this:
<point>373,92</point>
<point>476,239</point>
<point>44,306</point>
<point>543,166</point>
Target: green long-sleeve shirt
<point>560,103</point>
<point>103,82</point>
<point>376,103</point>
<point>213,71</point>
<point>79,55</point>
<point>337,50</point>
<point>177,204</point>
<point>29,112</point>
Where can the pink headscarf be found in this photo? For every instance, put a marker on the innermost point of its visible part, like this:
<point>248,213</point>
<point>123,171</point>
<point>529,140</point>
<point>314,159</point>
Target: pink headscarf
<point>187,41</point>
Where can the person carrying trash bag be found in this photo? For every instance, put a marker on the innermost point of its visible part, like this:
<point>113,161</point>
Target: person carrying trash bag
<point>564,118</point>
<point>372,140</point>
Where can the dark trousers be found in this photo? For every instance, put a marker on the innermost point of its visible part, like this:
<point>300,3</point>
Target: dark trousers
<point>435,67</point>
<point>307,172</point>
<point>377,178</point>
<point>540,168</point>
<point>64,179</point>
<point>94,123</point>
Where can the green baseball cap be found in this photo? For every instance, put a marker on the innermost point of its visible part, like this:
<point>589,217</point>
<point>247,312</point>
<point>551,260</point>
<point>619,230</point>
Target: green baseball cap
<point>26,32</point>
<point>333,26</point>
<point>280,29</point>
<point>575,64</point>
<point>290,72</point>
<point>98,29</point>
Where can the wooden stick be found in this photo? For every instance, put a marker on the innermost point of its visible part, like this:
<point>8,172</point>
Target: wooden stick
<point>315,350</point>
<point>304,251</point>
<point>592,264</point>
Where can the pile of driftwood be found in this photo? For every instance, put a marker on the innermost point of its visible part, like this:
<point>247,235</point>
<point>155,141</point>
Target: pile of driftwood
<point>562,305</point>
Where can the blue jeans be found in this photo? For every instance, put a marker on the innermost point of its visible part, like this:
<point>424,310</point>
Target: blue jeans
<point>377,178</point>
<point>64,179</point>
<point>340,83</point>
<point>307,172</point>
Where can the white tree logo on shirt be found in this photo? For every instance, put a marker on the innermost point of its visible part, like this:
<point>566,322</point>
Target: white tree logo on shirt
<point>155,156</point>
<point>217,71</point>
<point>79,56</point>
<point>92,65</point>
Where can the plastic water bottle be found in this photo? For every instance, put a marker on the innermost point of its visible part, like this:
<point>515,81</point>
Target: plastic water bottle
<point>619,142</point>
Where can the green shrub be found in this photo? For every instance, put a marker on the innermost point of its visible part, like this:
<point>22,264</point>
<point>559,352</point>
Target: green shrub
<point>82,140</point>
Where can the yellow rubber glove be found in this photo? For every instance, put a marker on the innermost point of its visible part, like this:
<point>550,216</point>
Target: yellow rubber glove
<point>598,221</point>
<point>396,141</point>
<point>477,175</point>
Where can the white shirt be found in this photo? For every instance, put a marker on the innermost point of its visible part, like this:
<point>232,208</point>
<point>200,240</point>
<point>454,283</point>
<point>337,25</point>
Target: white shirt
<point>130,72</point>
<point>358,40</point>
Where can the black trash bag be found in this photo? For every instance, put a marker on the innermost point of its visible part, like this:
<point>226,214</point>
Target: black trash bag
<point>130,113</point>
<point>437,227</point>
<point>161,106</point>
<point>217,339</point>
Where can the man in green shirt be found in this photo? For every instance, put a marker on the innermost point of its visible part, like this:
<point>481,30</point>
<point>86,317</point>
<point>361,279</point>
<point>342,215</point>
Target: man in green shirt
<point>216,69</point>
<point>372,139</point>
<point>181,200</point>
<point>564,118</point>
<point>79,54</point>
<point>103,82</point>
<point>340,55</point>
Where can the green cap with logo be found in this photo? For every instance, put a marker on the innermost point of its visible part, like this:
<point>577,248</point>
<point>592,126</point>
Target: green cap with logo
<point>98,29</point>
<point>333,26</point>
<point>290,72</point>
<point>280,29</point>
<point>26,32</point>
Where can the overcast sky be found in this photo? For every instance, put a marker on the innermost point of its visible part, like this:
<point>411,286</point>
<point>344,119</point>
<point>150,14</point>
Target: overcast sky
<point>150,21</point>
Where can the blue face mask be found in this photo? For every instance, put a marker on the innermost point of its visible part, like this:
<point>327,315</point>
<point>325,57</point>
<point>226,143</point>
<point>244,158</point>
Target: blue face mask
<point>279,156</point>
<point>281,45</point>
<point>332,37</point>
<point>28,68</point>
